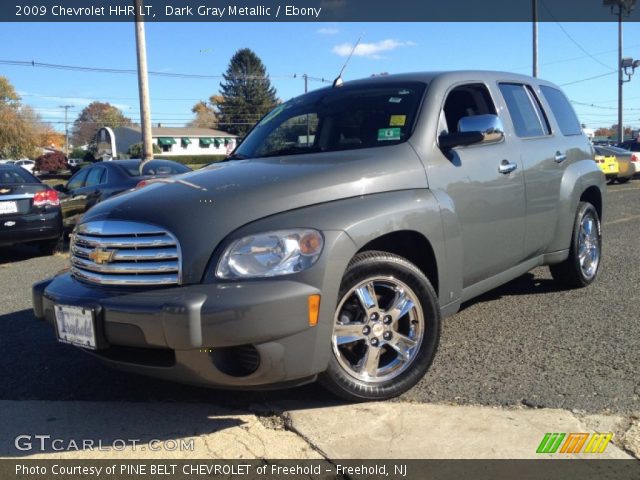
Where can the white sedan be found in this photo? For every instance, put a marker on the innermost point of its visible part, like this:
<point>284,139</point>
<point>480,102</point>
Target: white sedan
<point>26,164</point>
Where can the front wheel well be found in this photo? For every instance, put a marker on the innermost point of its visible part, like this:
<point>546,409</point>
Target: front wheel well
<point>594,197</point>
<point>412,246</point>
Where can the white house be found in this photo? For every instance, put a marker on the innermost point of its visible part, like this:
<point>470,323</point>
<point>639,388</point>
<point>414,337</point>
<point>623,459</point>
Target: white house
<point>173,140</point>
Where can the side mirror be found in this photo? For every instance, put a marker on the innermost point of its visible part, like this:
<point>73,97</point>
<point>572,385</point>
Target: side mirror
<point>484,129</point>
<point>60,188</point>
<point>490,126</point>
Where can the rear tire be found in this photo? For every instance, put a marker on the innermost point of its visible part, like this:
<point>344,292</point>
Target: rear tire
<point>385,330</point>
<point>581,267</point>
<point>624,179</point>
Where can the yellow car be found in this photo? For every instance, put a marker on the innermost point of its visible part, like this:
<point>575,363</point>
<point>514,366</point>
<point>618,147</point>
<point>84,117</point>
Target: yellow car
<point>609,165</point>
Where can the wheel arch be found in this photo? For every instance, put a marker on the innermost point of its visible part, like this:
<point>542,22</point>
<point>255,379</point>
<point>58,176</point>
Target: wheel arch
<point>411,245</point>
<point>593,195</point>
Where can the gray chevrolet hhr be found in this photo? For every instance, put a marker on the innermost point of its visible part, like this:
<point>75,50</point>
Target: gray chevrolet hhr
<point>336,237</point>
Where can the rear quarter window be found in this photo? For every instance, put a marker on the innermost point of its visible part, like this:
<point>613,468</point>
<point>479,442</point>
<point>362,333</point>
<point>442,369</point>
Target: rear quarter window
<point>562,110</point>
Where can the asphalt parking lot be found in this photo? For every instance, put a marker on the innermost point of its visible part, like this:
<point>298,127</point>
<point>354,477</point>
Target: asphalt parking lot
<point>526,343</point>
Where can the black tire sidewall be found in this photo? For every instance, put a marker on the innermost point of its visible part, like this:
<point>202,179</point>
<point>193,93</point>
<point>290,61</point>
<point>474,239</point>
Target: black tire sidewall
<point>371,264</point>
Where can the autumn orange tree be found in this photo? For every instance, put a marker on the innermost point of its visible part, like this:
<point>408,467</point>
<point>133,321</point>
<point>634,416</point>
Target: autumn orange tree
<point>93,117</point>
<point>21,130</point>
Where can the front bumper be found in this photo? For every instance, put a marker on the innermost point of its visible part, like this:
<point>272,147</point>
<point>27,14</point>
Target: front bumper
<point>248,334</point>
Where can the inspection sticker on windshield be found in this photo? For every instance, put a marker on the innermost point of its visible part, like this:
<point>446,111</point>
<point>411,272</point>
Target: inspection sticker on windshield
<point>388,134</point>
<point>397,120</point>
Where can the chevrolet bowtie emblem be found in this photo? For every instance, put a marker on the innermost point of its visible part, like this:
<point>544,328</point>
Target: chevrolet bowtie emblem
<point>5,190</point>
<point>100,255</point>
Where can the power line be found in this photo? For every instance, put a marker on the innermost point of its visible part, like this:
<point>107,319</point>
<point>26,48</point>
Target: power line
<point>588,78</point>
<point>34,64</point>
<point>608,67</point>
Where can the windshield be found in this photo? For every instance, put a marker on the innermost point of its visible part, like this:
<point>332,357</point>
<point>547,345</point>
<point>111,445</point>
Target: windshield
<point>335,119</point>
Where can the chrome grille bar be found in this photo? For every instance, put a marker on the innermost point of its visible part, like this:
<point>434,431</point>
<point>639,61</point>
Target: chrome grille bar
<point>113,252</point>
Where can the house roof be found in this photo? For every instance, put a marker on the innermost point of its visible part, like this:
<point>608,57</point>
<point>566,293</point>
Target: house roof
<point>182,132</point>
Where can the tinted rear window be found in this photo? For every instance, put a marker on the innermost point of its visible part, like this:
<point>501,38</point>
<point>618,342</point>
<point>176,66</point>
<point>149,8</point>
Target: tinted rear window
<point>16,175</point>
<point>562,110</point>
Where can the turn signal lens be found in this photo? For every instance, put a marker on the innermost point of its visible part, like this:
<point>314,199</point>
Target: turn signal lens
<point>314,309</point>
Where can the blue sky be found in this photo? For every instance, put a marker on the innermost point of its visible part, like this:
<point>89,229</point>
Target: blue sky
<point>569,52</point>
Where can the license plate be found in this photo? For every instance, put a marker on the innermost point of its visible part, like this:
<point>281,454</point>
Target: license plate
<point>75,325</point>
<point>8,207</point>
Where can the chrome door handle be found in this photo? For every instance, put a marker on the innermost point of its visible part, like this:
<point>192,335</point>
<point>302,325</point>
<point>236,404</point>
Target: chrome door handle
<point>560,157</point>
<point>507,167</point>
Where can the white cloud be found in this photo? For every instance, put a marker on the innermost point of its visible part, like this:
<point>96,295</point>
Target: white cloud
<point>328,31</point>
<point>371,50</point>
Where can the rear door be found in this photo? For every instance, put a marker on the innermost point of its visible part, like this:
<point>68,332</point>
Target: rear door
<point>543,155</point>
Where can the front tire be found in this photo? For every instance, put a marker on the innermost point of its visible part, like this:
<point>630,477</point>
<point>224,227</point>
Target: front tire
<point>385,330</point>
<point>581,268</point>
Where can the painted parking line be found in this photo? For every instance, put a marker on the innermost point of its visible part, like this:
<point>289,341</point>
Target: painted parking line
<point>623,220</point>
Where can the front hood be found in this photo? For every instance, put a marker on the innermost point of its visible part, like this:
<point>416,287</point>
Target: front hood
<point>207,205</point>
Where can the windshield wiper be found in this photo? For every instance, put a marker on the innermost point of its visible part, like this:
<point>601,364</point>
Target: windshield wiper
<point>234,156</point>
<point>291,151</point>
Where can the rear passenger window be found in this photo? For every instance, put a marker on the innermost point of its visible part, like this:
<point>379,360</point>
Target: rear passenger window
<point>561,108</point>
<point>526,113</point>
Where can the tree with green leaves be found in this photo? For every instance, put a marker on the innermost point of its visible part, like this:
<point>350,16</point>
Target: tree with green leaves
<point>247,93</point>
<point>95,116</point>
<point>135,150</point>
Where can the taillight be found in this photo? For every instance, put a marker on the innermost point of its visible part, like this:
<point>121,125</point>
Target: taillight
<point>46,197</point>
<point>634,157</point>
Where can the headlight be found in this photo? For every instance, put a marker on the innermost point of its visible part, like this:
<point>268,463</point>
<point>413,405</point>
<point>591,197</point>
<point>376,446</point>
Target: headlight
<point>271,254</point>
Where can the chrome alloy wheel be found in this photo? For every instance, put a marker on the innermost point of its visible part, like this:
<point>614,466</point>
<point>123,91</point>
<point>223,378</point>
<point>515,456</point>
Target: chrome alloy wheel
<point>589,246</point>
<point>378,329</point>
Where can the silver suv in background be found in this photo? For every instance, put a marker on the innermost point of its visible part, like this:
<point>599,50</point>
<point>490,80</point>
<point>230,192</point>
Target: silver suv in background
<point>336,237</point>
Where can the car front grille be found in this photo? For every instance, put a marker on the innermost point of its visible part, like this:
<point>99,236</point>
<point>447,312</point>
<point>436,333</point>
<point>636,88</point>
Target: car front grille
<point>113,252</point>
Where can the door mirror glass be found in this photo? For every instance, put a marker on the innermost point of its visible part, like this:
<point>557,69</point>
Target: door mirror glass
<point>489,126</point>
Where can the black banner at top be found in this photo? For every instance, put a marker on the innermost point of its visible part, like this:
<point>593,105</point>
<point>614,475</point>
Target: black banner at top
<point>317,10</point>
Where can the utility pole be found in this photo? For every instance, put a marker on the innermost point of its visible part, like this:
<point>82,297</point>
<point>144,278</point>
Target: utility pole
<point>66,129</point>
<point>306,89</point>
<point>620,8</point>
<point>534,8</point>
<point>620,79</point>
<point>143,85</point>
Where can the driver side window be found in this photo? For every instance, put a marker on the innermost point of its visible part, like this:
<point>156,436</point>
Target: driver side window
<point>297,132</point>
<point>465,101</point>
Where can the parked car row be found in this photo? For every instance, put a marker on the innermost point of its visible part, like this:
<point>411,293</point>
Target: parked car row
<point>618,165</point>
<point>33,212</point>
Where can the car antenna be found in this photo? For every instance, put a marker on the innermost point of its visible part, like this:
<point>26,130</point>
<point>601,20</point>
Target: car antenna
<point>338,81</point>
